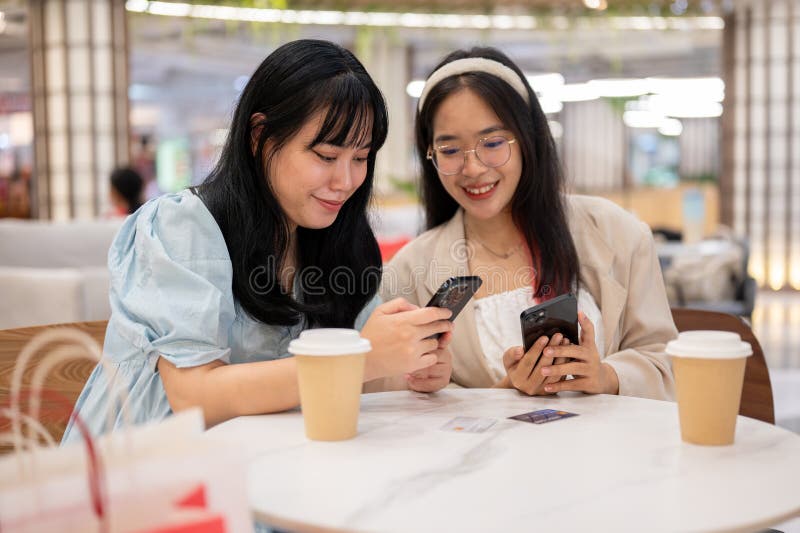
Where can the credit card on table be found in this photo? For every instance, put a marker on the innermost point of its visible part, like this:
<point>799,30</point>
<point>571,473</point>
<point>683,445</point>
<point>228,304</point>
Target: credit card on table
<point>469,424</point>
<point>542,416</point>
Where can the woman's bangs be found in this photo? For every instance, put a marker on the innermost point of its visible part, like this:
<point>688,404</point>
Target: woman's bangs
<point>350,119</point>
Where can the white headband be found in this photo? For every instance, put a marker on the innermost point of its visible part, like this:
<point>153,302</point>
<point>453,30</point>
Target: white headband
<point>474,64</point>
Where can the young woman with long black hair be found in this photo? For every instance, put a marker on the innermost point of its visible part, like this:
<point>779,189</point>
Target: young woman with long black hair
<point>210,285</point>
<point>496,206</point>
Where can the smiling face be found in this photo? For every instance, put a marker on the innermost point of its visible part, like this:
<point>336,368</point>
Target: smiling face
<point>312,183</point>
<point>463,119</point>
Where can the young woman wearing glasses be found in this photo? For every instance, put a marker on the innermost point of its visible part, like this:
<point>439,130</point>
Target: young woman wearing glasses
<point>209,286</point>
<point>495,206</point>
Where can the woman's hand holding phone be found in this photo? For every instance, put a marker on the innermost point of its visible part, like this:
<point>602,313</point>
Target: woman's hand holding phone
<point>401,336</point>
<point>453,294</point>
<point>522,372</point>
<point>591,374</point>
<point>437,376</point>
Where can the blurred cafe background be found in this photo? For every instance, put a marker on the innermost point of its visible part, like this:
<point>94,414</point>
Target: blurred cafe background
<point>685,112</point>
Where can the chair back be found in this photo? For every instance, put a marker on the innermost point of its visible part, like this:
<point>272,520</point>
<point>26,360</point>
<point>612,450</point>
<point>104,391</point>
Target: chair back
<point>757,399</point>
<point>66,379</point>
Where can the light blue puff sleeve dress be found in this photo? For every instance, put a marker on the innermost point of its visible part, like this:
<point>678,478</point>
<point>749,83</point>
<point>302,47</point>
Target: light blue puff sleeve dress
<point>171,297</point>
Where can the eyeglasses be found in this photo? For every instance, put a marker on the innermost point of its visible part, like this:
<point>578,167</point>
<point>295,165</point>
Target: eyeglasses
<point>490,151</point>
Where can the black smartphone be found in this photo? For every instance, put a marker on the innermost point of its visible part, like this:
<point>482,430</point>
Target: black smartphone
<point>454,294</point>
<point>559,315</point>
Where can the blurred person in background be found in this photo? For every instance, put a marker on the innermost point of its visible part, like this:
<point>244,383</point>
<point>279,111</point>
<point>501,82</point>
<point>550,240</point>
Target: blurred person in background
<point>209,285</point>
<point>495,203</point>
<point>144,162</point>
<point>126,191</point>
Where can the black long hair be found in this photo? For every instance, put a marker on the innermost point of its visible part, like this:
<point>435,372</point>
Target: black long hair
<point>538,205</point>
<point>293,84</point>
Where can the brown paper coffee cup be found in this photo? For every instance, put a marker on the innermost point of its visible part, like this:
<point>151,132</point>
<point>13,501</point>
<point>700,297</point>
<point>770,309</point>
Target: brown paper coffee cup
<point>330,374</point>
<point>709,373</point>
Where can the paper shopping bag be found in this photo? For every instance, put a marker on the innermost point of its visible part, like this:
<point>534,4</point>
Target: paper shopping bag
<point>144,470</point>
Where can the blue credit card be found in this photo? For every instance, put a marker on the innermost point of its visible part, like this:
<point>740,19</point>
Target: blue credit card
<point>542,416</point>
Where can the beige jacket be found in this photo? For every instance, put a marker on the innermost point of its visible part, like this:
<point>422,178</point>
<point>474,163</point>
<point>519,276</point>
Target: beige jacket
<point>619,268</point>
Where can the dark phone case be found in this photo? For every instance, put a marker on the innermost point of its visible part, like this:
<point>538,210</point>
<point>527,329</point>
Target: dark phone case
<point>560,315</point>
<point>455,293</point>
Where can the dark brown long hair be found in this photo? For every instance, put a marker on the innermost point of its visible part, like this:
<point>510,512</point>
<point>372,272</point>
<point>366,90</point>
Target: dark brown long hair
<point>538,205</point>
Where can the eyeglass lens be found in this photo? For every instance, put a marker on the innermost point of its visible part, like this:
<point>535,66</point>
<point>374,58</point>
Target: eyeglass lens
<point>492,152</point>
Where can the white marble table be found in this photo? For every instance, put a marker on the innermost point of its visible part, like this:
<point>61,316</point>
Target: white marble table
<point>619,466</point>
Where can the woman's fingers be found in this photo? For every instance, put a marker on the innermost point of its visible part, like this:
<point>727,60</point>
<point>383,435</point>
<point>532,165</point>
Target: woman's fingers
<point>567,369</point>
<point>426,315</point>
<point>428,330</point>
<point>424,384</point>
<point>398,305</point>
<point>525,365</point>
<point>572,351</point>
<point>446,338</point>
<point>587,329</point>
<point>432,372</point>
<point>512,355</point>
<point>579,384</point>
<point>424,361</point>
<point>427,345</point>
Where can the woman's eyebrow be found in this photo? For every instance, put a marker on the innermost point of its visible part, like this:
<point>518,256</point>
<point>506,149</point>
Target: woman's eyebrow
<point>484,131</point>
<point>491,129</point>
<point>442,138</point>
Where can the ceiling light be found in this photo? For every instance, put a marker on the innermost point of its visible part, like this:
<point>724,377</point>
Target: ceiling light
<point>596,4</point>
<point>670,127</point>
<point>642,119</point>
<point>545,83</point>
<point>667,23</point>
<point>550,105</point>
<point>709,89</point>
<point>137,6</point>
<point>577,92</point>
<point>169,9</point>
<point>333,18</point>
<point>413,20</point>
<point>619,88</point>
<point>414,88</point>
<point>680,107</point>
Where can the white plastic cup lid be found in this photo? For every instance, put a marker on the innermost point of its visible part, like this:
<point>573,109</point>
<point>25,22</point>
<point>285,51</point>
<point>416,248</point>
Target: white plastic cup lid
<point>704,344</point>
<point>329,342</point>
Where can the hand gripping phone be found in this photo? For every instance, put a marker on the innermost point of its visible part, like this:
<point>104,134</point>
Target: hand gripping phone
<point>559,315</point>
<point>454,294</point>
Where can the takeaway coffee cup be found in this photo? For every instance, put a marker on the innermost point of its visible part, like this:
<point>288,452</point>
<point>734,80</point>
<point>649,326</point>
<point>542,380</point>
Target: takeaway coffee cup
<point>709,372</point>
<point>330,373</point>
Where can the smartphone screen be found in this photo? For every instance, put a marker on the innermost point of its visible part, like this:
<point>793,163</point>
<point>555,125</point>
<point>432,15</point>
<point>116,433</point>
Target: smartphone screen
<point>559,315</point>
<point>455,293</point>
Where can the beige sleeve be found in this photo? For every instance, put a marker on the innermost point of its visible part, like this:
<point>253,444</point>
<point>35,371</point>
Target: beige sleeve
<point>646,326</point>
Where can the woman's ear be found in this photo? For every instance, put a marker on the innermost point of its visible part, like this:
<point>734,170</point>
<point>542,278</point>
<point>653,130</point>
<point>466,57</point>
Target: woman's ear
<point>256,126</point>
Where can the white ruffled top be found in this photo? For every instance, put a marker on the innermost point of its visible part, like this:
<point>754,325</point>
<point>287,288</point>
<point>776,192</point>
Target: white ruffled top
<point>497,320</point>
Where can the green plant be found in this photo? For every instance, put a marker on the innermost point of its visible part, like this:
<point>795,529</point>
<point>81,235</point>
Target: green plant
<point>407,187</point>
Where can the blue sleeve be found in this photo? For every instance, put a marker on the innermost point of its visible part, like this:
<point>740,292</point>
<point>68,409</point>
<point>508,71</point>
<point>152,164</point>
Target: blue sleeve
<point>171,281</point>
<point>365,313</point>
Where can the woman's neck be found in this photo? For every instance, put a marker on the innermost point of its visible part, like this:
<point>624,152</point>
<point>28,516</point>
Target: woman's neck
<point>499,232</point>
